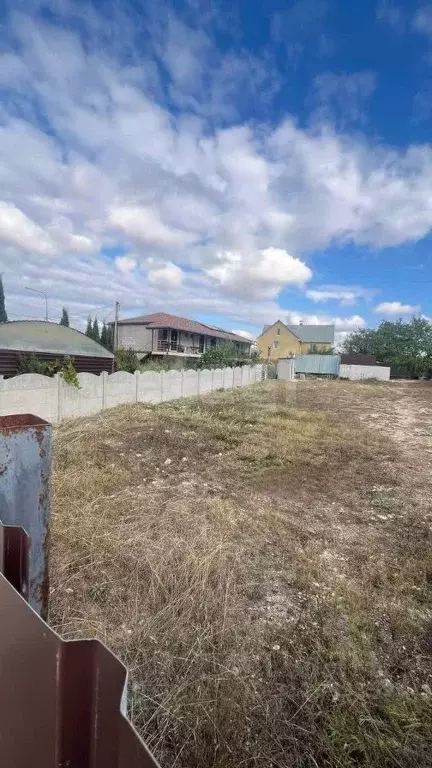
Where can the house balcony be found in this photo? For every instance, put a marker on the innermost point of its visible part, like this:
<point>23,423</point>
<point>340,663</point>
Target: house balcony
<point>162,347</point>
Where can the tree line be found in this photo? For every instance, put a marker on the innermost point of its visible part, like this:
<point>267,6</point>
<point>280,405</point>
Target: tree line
<point>405,347</point>
<point>103,335</point>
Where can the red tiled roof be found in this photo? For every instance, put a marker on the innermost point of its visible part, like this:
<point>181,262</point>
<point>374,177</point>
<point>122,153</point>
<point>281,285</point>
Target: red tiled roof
<point>163,320</point>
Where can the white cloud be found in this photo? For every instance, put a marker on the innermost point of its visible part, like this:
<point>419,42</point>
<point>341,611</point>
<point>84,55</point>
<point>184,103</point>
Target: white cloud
<point>126,263</point>
<point>344,294</point>
<point>246,334</point>
<point>259,274</point>
<point>351,323</point>
<point>239,202</point>
<point>168,274</point>
<point>390,12</point>
<point>392,308</point>
<point>341,97</point>
<point>17,229</point>
<point>422,21</point>
<point>145,227</point>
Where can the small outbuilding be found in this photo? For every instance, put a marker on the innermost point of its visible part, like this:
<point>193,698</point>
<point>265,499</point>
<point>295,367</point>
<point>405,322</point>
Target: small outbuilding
<point>50,341</point>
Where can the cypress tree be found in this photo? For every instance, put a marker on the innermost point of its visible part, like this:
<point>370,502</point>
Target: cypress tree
<point>89,329</point>
<point>3,313</point>
<point>64,318</point>
<point>104,335</point>
<point>95,330</point>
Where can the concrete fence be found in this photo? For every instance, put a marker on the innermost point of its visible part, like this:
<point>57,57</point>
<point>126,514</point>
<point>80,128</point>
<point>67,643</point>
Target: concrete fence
<point>286,369</point>
<point>53,400</point>
<point>355,372</point>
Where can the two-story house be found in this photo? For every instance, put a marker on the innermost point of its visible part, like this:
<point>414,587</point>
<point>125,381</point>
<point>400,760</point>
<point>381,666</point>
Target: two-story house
<point>281,340</point>
<point>163,334</point>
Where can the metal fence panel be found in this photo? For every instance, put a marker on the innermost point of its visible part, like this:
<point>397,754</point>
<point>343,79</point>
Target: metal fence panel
<point>327,365</point>
<point>59,700</point>
<point>25,466</point>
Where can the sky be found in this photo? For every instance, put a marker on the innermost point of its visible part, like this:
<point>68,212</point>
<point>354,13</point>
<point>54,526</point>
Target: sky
<point>234,162</point>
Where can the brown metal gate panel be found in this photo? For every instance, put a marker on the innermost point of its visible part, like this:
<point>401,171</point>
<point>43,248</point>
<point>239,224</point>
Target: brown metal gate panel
<point>59,700</point>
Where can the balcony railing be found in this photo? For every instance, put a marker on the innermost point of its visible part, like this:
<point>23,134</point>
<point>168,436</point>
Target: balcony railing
<point>175,346</point>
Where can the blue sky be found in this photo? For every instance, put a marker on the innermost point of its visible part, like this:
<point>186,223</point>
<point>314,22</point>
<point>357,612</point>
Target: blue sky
<point>234,162</point>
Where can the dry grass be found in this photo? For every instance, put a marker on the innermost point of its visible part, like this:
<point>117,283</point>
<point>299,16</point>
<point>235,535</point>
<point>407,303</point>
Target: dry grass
<point>261,561</point>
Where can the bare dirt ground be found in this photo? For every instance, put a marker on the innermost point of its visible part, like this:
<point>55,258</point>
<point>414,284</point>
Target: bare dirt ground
<point>261,560</point>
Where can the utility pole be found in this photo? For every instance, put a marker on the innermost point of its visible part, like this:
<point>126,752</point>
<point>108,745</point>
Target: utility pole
<point>36,290</point>
<point>116,319</point>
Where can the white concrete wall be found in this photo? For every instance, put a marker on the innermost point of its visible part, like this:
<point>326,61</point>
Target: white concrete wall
<point>286,369</point>
<point>52,399</point>
<point>354,372</point>
<point>136,337</point>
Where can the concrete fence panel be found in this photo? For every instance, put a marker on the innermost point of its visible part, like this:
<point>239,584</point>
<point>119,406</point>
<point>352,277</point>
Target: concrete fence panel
<point>149,387</point>
<point>120,389</point>
<point>171,385</point>
<point>30,393</point>
<point>205,381</point>
<point>53,399</point>
<point>286,369</point>
<point>85,400</point>
<point>228,378</point>
<point>237,376</point>
<point>190,383</point>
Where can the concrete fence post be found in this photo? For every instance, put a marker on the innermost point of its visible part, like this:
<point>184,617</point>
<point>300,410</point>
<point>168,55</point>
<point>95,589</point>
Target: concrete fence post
<point>59,396</point>
<point>104,376</point>
<point>233,376</point>
<point>137,381</point>
<point>181,382</point>
<point>198,381</point>
<point>162,385</point>
<point>212,380</point>
<point>25,469</point>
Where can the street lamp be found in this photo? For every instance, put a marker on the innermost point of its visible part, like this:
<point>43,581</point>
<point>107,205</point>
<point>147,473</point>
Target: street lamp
<point>36,290</point>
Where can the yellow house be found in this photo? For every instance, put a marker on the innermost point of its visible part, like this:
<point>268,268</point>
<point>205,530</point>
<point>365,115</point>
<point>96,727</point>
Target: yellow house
<point>281,340</point>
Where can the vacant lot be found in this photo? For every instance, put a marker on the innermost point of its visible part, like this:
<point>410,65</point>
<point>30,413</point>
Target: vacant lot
<point>261,560</point>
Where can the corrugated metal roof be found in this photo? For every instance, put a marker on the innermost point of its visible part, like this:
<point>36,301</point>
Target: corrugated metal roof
<point>40,336</point>
<point>313,334</point>
<point>164,320</point>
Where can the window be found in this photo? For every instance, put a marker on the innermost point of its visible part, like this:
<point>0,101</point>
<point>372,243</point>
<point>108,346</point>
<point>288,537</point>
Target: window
<point>278,332</point>
<point>276,345</point>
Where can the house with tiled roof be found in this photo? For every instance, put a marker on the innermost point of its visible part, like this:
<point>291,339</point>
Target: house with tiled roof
<point>160,334</point>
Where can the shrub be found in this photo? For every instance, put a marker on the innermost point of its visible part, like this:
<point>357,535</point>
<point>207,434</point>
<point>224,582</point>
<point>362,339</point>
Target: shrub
<point>30,363</point>
<point>226,355</point>
<point>126,360</point>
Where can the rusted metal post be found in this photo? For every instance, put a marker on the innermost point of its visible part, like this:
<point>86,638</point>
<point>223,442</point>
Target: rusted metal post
<point>25,469</point>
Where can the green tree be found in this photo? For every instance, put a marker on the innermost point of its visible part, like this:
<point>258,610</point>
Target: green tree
<point>89,329</point>
<point>3,313</point>
<point>315,349</point>
<point>104,335</point>
<point>95,330</point>
<point>406,347</point>
<point>110,337</point>
<point>224,355</point>
<point>64,318</point>
<point>126,360</point>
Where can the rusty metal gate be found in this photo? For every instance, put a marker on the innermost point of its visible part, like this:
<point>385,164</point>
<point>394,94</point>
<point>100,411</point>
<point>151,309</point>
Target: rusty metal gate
<point>60,701</point>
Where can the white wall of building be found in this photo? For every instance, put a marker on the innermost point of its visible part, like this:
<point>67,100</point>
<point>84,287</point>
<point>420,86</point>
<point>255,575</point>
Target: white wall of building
<point>355,372</point>
<point>53,400</point>
<point>137,337</point>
